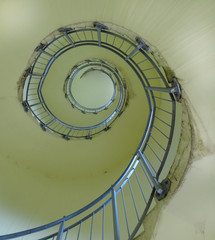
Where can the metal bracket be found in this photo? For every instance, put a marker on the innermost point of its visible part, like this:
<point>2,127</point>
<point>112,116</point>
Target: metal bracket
<point>99,26</point>
<point>141,44</point>
<point>65,137</point>
<point>43,127</point>
<point>28,71</point>
<point>175,89</point>
<point>88,137</point>
<point>145,47</point>
<point>41,48</point>
<point>115,215</point>
<point>66,31</point>
<point>25,106</point>
<point>165,186</point>
<point>107,128</point>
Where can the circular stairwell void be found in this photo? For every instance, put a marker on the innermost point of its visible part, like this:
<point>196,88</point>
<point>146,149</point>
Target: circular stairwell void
<point>91,87</point>
<point>122,208</point>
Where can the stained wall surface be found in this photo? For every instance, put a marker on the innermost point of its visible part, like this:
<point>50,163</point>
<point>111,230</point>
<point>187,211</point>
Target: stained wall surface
<point>184,33</point>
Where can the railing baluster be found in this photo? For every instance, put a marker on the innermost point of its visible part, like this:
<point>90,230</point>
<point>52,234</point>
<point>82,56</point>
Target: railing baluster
<point>154,152</point>
<point>141,44</point>
<point>161,132</point>
<point>125,211</point>
<point>41,63</point>
<point>92,35</point>
<point>150,174</point>
<point>114,40</point>
<point>60,232</point>
<point>133,199</point>
<point>56,46</point>
<point>147,69</point>
<point>85,35</point>
<point>146,174</point>
<point>128,48</point>
<point>163,99</point>
<point>158,143</point>
<point>115,216</point>
<point>122,43</point>
<point>65,31</point>
<point>140,186</point>
<point>142,62</point>
<point>103,222</point>
<point>41,48</point>
<point>163,121</point>
<point>149,162</point>
<point>79,231</point>
<point>106,38</point>
<point>78,36</point>
<point>164,110</point>
<point>91,232</point>
<point>66,234</point>
<point>99,28</point>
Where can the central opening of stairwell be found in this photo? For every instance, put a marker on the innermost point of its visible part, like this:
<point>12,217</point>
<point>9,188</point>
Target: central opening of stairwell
<point>92,89</point>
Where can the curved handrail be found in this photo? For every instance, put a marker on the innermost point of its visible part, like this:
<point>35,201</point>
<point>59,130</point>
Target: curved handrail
<point>97,65</point>
<point>148,160</point>
<point>49,115</point>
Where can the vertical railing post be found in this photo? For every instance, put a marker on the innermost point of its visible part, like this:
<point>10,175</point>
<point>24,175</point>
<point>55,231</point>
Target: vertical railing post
<point>41,48</point>
<point>115,216</point>
<point>141,44</point>
<point>65,31</point>
<point>60,232</point>
<point>161,188</point>
<point>99,26</point>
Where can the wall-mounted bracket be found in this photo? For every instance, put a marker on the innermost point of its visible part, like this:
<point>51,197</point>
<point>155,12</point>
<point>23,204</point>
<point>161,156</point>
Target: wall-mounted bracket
<point>66,29</point>
<point>115,215</point>
<point>41,48</point>
<point>165,186</point>
<point>162,188</point>
<point>66,32</point>
<point>28,71</point>
<point>25,106</point>
<point>107,128</point>
<point>152,177</point>
<point>88,137</point>
<point>65,137</point>
<point>175,89</point>
<point>99,27</point>
<point>43,127</point>
<point>144,46</point>
<point>141,44</point>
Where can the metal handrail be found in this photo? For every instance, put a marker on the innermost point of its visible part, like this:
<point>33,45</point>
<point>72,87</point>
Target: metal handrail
<point>104,125</point>
<point>98,65</point>
<point>148,160</point>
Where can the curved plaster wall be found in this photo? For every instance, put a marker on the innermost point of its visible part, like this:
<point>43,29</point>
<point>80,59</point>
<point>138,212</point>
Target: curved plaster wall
<point>182,31</point>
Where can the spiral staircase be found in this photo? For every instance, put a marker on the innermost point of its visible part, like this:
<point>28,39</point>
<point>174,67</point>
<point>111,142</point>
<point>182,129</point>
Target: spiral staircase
<point>75,51</point>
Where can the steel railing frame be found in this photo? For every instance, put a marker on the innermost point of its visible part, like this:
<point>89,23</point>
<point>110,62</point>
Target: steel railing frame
<point>140,158</point>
